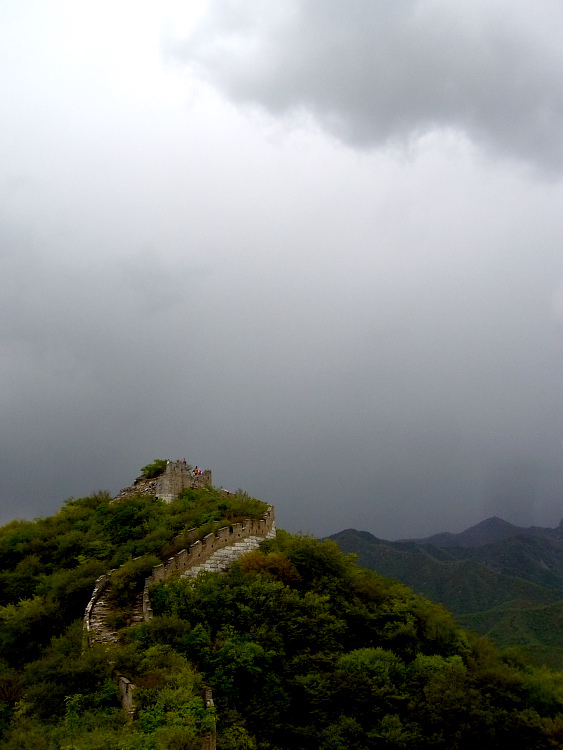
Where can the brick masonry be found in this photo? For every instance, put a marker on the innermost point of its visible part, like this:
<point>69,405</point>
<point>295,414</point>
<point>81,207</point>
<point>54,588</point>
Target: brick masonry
<point>214,553</point>
<point>179,476</point>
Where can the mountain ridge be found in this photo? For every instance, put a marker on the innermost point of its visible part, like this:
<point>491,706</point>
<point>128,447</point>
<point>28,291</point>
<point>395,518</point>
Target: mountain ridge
<point>487,575</point>
<point>490,530</point>
<point>302,648</point>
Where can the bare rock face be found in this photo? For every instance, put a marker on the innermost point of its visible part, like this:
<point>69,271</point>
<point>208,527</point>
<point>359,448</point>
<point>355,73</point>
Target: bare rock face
<point>140,486</point>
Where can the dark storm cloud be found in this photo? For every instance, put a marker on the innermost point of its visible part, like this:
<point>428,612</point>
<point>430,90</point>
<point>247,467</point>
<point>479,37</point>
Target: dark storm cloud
<point>361,339</point>
<point>374,71</point>
<point>396,369</point>
<point>88,348</point>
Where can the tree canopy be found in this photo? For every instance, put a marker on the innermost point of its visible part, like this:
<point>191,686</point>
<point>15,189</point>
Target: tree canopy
<point>302,648</point>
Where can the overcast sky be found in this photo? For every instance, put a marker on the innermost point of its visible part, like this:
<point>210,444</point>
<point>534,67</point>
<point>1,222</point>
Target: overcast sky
<point>313,246</point>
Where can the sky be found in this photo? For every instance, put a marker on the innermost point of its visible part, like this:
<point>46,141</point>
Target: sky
<point>315,247</point>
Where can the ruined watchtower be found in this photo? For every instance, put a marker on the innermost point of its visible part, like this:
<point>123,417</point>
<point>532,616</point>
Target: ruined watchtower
<point>178,476</point>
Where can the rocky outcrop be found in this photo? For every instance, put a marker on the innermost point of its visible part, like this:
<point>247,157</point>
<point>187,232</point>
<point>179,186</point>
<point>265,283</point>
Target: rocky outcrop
<point>141,486</point>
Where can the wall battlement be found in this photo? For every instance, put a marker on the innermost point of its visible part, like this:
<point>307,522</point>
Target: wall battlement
<point>198,553</point>
<point>215,552</point>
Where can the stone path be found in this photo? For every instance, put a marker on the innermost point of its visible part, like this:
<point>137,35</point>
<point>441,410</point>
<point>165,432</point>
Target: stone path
<point>223,558</point>
<point>137,611</point>
<point>100,633</point>
<point>218,562</point>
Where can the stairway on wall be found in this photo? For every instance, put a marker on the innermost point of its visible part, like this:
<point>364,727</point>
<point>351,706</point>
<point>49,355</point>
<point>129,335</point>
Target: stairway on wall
<point>223,558</point>
<point>99,630</point>
<point>137,611</point>
<point>218,562</point>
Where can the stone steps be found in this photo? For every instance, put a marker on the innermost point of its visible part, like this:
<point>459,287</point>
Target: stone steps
<point>100,633</point>
<point>218,562</point>
<point>223,558</point>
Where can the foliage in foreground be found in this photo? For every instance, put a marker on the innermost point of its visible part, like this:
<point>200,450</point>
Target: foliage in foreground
<point>48,566</point>
<point>306,650</point>
<point>303,649</point>
<point>509,589</point>
<point>67,699</point>
<point>53,695</point>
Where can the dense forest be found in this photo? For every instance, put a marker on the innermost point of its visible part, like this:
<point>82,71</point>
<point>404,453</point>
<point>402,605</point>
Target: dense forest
<point>301,647</point>
<point>501,580</point>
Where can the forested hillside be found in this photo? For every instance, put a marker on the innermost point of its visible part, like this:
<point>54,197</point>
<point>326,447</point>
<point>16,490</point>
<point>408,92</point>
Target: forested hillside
<point>500,580</point>
<point>301,647</point>
<point>50,684</point>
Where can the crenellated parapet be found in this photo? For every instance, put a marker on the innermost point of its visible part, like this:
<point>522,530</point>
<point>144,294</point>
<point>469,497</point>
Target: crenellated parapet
<point>232,541</point>
<point>214,552</point>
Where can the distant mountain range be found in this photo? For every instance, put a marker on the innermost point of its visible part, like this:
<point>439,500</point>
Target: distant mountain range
<point>490,531</point>
<point>501,580</point>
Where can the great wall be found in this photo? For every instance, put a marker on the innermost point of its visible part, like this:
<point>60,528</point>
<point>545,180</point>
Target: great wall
<point>214,552</point>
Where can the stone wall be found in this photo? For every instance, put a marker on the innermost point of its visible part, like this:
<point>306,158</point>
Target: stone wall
<point>91,620</point>
<point>234,540</point>
<point>179,476</point>
<point>125,689</point>
<point>209,741</point>
<point>215,552</point>
<point>222,559</point>
<point>99,587</point>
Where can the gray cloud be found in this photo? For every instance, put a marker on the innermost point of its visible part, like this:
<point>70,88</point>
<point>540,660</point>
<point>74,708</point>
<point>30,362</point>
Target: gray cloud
<point>372,368</point>
<point>374,72</point>
<point>361,338</point>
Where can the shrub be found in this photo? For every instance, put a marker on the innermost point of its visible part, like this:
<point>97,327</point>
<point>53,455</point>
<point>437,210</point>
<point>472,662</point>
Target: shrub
<point>158,467</point>
<point>127,581</point>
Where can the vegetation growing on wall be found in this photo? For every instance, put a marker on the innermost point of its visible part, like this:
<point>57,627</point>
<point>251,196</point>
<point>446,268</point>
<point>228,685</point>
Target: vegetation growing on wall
<point>151,471</point>
<point>47,572</point>
<point>48,566</point>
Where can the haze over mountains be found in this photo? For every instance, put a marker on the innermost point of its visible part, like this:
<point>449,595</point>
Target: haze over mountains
<point>489,531</point>
<point>499,579</point>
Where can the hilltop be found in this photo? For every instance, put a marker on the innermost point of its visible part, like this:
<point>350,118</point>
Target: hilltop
<point>292,647</point>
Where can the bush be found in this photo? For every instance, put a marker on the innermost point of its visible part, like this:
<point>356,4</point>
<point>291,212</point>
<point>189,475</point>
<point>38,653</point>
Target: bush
<point>127,581</point>
<point>158,467</point>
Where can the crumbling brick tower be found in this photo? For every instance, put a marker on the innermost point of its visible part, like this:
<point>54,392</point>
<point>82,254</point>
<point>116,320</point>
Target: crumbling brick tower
<point>179,476</point>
